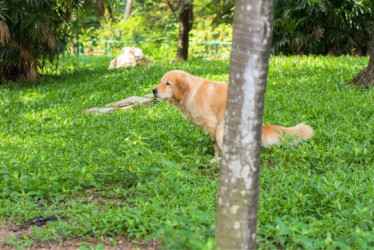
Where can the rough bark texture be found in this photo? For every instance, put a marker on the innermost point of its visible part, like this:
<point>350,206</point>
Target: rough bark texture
<point>366,76</point>
<point>185,25</point>
<point>238,191</point>
<point>128,9</point>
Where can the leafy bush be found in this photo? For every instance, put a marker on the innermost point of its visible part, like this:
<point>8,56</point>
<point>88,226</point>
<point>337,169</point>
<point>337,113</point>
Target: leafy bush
<point>207,40</point>
<point>136,32</point>
<point>160,44</point>
<point>300,27</point>
<point>322,27</point>
<point>31,32</point>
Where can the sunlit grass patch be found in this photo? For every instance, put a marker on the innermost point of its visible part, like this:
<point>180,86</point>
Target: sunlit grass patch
<point>145,173</point>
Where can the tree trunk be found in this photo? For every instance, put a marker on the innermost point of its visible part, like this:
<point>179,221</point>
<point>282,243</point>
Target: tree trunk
<point>366,76</point>
<point>128,9</point>
<point>239,179</point>
<point>185,25</point>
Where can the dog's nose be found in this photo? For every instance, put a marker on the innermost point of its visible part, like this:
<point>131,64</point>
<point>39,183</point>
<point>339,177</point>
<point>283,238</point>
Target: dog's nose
<point>154,91</point>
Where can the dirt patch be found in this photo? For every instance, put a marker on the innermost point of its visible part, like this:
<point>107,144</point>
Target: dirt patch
<point>7,231</point>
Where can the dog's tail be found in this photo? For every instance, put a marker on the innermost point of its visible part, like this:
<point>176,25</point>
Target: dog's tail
<point>275,135</point>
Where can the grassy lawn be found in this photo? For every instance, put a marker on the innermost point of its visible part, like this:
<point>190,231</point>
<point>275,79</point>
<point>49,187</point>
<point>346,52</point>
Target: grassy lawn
<point>145,173</point>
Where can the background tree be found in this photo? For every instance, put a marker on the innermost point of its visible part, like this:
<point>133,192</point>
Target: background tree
<point>322,27</point>
<point>128,9</point>
<point>366,76</point>
<point>33,32</point>
<point>301,27</point>
<point>221,11</point>
<point>239,178</point>
<point>185,16</point>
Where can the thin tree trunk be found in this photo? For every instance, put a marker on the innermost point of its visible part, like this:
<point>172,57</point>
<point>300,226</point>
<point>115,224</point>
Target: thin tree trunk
<point>185,25</point>
<point>239,179</point>
<point>366,76</point>
<point>128,9</point>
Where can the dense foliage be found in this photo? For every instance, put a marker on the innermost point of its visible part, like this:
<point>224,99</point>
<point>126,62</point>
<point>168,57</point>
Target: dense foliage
<point>300,27</point>
<point>154,28</point>
<point>331,27</point>
<point>145,172</point>
<point>31,32</point>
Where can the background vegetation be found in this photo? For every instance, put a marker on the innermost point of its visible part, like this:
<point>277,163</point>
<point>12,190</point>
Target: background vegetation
<point>32,32</point>
<point>323,27</point>
<point>300,27</point>
<point>145,173</point>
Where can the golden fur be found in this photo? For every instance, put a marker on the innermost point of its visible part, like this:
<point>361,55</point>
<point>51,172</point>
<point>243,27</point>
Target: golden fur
<point>203,103</point>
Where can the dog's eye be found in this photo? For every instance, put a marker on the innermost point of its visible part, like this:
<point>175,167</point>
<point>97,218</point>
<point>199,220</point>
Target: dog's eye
<point>168,83</point>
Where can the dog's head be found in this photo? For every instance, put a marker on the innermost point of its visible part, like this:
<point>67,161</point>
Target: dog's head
<point>174,86</point>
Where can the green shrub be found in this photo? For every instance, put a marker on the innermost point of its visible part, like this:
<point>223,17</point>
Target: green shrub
<point>31,32</point>
<point>322,27</point>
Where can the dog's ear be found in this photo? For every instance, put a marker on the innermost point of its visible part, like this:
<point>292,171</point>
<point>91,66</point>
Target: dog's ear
<point>181,87</point>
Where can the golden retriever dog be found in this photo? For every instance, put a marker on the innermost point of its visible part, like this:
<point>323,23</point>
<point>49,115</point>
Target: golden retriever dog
<point>203,103</point>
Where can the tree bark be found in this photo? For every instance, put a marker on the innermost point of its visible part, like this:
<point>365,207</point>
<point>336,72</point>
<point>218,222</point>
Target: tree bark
<point>185,25</point>
<point>239,178</point>
<point>128,9</point>
<point>366,76</point>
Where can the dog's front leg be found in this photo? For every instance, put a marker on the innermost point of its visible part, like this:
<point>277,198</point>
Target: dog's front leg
<point>218,143</point>
<point>217,154</point>
<point>217,151</point>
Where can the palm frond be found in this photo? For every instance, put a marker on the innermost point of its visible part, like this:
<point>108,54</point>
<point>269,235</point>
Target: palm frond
<point>51,41</point>
<point>4,33</point>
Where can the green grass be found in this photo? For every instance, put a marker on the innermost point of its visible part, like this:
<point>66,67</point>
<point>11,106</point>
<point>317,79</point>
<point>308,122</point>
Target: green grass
<point>145,173</point>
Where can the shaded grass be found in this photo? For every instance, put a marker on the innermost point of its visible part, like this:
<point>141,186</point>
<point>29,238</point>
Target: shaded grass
<point>146,172</point>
